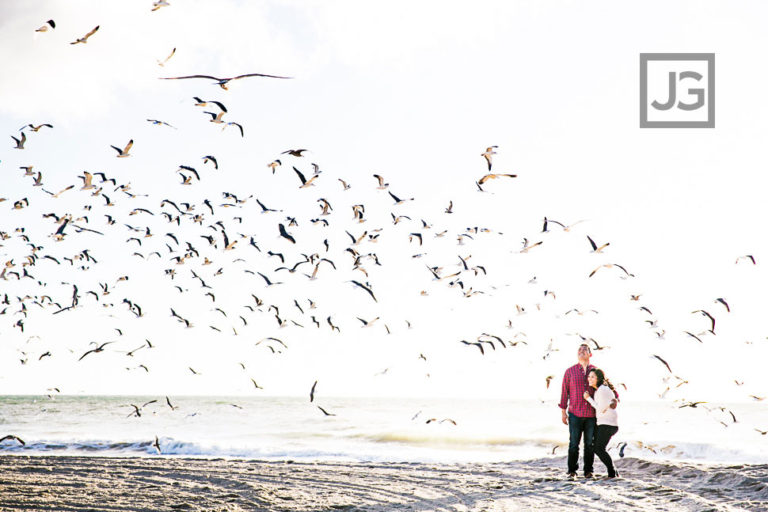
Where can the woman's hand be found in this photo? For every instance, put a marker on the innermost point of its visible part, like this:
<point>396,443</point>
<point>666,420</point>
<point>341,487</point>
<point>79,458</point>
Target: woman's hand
<point>586,395</point>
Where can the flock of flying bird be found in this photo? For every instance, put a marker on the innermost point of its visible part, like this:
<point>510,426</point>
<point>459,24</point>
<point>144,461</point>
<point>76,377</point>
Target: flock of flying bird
<point>179,243</point>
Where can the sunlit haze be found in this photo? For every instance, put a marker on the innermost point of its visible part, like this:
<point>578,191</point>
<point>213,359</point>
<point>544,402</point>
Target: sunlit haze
<point>414,92</point>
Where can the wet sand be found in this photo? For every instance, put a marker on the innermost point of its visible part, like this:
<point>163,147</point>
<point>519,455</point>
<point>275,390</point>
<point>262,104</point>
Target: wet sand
<point>166,484</point>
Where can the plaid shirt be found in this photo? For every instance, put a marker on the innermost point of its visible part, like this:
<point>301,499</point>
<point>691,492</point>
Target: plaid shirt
<point>572,395</point>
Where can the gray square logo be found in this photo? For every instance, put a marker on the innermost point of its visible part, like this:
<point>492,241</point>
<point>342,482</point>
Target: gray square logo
<point>677,90</point>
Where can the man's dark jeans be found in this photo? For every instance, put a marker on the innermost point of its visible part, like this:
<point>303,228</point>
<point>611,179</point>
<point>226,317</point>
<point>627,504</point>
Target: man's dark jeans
<point>577,426</point>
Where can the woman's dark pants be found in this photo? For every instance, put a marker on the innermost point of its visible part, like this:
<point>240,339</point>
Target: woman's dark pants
<point>602,436</point>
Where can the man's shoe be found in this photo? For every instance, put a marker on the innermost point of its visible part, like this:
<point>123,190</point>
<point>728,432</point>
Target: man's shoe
<point>572,475</point>
<point>589,474</point>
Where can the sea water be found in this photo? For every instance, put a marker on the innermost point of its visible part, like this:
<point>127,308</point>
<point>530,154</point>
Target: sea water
<point>375,429</point>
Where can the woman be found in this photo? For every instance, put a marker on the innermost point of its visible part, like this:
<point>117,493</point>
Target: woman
<point>607,418</point>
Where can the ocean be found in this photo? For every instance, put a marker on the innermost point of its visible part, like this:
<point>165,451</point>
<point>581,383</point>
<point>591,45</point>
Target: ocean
<point>367,429</point>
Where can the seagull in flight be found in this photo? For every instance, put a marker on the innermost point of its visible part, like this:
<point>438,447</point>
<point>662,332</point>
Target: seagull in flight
<point>595,247</point>
<point>84,39</point>
<point>20,142</point>
<point>223,82</point>
<point>162,63</point>
<point>48,24</point>
<point>494,176</point>
<point>123,153</point>
<point>100,348</point>
<point>160,123</point>
<point>15,438</point>
<point>488,155</point>
<point>294,152</point>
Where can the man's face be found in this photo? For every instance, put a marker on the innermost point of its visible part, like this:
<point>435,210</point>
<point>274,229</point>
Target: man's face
<point>584,352</point>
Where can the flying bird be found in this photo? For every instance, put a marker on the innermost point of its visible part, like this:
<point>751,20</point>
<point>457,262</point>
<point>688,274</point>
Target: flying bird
<point>162,63</point>
<point>100,348</point>
<point>475,343</point>
<point>210,158</point>
<point>692,405</point>
<point>595,248</point>
<point>722,301</point>
<point>20,142</point>
<point>204,103</point>
<point>15,438</point>
<point>50,24</point>
<point>285,234</point>
<point>366,288</point>
<point>123,153</point>
<point>706,314</point>
<point>274,165</point>
<point>663,362</point>
<point>36,128</point>
<point>294,152</point>
<point>488,154</point>
<point>398,200</point>
<point>693,336</point>
<point>224,82</point>
<point>494,176</point>
<point>84,39</point>
<point>380,179</point>
<point>748,257</point>
<point>161,123</point>
<point>232,123</point>
<point>305,182</point>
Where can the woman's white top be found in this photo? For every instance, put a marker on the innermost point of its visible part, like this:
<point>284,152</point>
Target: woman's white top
<point>602,404</point>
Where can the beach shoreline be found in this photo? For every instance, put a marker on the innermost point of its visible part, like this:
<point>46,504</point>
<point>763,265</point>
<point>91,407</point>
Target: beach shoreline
<point>172,483</point>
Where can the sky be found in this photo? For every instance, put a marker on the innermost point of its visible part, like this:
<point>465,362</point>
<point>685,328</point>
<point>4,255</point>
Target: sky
<point>414,93</point>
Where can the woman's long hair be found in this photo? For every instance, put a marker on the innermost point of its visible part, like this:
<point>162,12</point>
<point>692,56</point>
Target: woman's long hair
<point>601,378</point>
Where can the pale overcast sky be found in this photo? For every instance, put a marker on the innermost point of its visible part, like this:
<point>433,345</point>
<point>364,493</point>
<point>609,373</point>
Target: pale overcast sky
<point>414,92</point>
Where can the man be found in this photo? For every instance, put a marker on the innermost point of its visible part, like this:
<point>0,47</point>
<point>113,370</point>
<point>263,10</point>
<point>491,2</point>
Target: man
<point>577,413</point>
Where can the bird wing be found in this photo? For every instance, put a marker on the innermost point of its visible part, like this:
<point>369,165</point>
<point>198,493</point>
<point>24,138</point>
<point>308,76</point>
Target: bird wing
<point>190,76</point>
<point>89,34</point>
<point>663,361</point>
<point>259,74</point>
<point>301,176</point>
<point>366,289</point>
<point>82,356</point>
<point>220,105</point>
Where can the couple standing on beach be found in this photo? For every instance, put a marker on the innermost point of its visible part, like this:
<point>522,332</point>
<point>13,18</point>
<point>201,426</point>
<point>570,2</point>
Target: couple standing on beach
<point>588,403</point>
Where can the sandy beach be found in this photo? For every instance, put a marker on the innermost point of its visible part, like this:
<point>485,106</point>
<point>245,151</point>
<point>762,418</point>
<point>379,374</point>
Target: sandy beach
<point>157,484</point>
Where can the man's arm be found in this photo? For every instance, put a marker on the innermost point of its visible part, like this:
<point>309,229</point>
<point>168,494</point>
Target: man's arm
<point>564,391</point>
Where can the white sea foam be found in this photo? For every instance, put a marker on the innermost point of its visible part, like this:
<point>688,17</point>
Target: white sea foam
<point>418,430</point>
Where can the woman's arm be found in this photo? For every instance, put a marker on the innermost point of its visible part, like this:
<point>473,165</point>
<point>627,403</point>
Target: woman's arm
<point>603,398</point>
